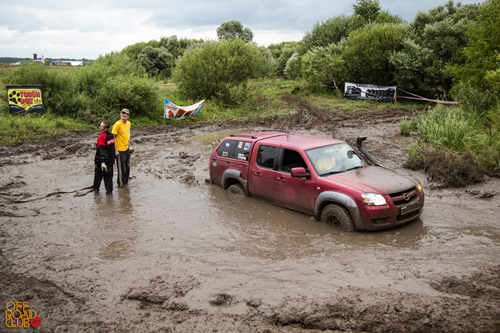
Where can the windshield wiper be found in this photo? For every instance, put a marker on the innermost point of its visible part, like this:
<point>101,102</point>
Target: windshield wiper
<point>356,167</point>
<point>332,173</point>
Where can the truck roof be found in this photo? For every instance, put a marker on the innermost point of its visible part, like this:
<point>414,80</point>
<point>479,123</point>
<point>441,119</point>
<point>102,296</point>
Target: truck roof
<point>289,140</point>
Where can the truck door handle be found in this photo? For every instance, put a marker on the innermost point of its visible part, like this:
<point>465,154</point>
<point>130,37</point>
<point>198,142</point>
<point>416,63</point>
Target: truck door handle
<point>281,179</point>
<point>257,174</point>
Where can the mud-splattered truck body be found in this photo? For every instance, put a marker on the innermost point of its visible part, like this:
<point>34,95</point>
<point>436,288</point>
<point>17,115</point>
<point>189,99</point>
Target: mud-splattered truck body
<point>320,176</point>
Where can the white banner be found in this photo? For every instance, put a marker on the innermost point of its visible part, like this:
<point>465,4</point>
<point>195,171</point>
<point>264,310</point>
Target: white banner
<point>369,91</point>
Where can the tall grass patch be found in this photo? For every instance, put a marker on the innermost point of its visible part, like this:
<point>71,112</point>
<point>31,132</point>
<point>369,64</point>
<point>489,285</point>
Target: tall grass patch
<point>455,146</point>
<point>17,129</point>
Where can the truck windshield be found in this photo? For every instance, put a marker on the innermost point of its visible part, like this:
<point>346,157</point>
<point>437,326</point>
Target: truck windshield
<point>334,159</point>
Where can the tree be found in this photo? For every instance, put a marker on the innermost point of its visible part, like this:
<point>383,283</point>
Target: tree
<point>331,31</point>
<point>325,65</point>
<point>415,69</point>
<point>482,52</point>
<point>281,53</point>
<point>368,51</point>
<point>134,50</point>
<point>234,29</point>
<point>157,61</point>
<point>368,10</point>
<point>443,30</point>
<point>220,70</point>
<point>176,46</point>
<point>293,67</point>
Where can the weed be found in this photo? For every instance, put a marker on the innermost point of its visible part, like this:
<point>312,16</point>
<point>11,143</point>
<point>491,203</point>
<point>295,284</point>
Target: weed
<point>404,127</point>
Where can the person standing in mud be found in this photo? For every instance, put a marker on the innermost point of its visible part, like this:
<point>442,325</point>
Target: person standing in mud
<point>104,159</point>
<point>121,130</point>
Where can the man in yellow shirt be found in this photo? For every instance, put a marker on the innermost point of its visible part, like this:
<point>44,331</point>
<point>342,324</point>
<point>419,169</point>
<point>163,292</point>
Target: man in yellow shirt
<point>121,130</point>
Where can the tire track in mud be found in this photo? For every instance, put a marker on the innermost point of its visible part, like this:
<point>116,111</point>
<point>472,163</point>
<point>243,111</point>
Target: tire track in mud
<point>469,303</point>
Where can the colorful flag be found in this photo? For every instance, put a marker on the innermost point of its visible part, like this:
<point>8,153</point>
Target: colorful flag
<point>179,112</point>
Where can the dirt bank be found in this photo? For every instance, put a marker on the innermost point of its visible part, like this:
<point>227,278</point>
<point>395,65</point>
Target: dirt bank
<point>170,253</point>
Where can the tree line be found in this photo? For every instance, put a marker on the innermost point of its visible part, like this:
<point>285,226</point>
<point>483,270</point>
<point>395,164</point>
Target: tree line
<point>450,52</point>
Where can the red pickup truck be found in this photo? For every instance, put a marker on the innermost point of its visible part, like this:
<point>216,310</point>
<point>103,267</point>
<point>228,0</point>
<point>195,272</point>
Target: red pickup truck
<point>321,176</point>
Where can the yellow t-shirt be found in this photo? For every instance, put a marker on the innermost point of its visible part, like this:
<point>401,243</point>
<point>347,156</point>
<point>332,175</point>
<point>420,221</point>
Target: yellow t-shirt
<point>122,132</point>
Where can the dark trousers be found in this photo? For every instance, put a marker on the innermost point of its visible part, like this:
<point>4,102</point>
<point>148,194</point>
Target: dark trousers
<point>108,178</point>
<point>123,163</point>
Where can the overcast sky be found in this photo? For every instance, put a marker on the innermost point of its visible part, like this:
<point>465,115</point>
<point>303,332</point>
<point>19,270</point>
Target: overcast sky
<point>87,29</point>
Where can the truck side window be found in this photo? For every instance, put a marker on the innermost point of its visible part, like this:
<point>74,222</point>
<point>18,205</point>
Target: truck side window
<point>266,156</point>
<point>242,150</point>
<point>234,149</point>
<point>291,159</point>
<point>226,149</point>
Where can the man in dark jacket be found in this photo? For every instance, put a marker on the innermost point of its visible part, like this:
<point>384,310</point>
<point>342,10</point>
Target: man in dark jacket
<point>104,159</point>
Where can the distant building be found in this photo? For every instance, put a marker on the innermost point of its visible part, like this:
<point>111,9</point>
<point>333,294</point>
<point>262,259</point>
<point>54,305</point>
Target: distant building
<point>66,63</point>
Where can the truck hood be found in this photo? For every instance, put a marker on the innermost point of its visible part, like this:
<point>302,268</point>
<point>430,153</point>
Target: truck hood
<point>374,179</point>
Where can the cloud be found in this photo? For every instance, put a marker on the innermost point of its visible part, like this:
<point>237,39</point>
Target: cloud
<point>87,29</point>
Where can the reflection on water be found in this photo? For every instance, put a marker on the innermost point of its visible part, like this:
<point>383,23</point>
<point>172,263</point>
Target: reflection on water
<point>262,227</point>
<point>120,249</point>
<point>116,228</point>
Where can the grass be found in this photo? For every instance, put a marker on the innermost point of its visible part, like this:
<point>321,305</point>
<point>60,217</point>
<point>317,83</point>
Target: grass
<point>441,130</point>
<point>15,129</point>
<point>452,140</point>
<point>262,100</point>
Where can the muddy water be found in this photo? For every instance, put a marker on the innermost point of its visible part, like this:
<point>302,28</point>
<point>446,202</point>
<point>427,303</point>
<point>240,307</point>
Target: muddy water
<point>169,223</point>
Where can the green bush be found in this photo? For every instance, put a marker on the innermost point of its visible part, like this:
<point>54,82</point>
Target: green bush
<point>157,61</point>
<point>368,51</point>
<point>114,82</point>
<point>482,51</point>
<point>325,66</point>
<point>58,86</point>
<point>448,127</point>
<point>447,167</point>
<point>405,127</point>
<point>281,53</point>
<point>331,31</point>
<point>293,67</point>
<point>95,91</point>
<point>220,70</point>
<point>463,136</point>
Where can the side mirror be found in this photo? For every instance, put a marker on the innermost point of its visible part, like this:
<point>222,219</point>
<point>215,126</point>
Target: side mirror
<point>300,173</point>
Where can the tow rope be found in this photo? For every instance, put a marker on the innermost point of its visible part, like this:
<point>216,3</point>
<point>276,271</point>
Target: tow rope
<point>87,189</point>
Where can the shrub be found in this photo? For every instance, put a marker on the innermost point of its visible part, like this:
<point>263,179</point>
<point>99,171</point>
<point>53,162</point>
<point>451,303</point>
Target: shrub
<point>404,127</point>
<point>368,51</point>
<point>446,167</point>
<point>157,61</point>
<point>98,90</point>
<point>58,86</point>
<point>447,127</point>
<point>113,82</point>
<point>292,68</point>
<point>220,69</point>
<point>325,66</point>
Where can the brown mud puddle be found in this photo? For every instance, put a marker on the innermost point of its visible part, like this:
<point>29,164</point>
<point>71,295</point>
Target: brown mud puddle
<point>170,253</point>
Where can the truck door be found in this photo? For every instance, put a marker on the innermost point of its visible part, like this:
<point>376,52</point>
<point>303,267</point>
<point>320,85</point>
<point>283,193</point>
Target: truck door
<point>292,192</point>
<point>262,173</point>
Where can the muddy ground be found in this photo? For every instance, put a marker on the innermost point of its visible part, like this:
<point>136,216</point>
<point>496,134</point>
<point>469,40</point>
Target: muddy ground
<point>170,253</point>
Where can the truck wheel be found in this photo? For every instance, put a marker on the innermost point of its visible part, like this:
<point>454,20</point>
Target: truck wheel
<point>337,215</point>
<point>236,189</point>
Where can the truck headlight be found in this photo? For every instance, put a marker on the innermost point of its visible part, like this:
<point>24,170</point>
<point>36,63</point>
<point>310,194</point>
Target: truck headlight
<point>419,187</point>
<point>373,199</point>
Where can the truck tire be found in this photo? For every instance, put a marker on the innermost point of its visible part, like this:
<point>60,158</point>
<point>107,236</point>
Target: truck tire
<point>336,215</point>
<point>236,190</point>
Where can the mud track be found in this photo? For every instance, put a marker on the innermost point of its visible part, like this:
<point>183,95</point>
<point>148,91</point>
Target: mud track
<point>170,253</point>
